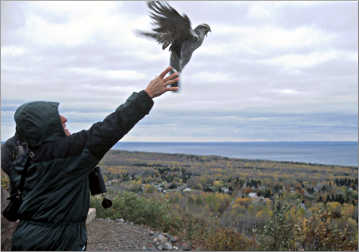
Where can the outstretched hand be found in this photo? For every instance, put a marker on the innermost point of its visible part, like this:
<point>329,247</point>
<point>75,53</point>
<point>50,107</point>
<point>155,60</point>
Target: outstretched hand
<point>159,85</point>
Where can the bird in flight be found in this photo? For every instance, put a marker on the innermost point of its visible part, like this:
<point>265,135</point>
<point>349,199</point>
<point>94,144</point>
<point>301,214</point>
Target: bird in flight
<point>174,30</point>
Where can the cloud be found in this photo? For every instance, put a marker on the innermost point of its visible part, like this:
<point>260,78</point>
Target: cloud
<point>12,51</point>
<point>247,126</point>
<point>265,72</point>
<point>301,60</point>
<point>110,74</point>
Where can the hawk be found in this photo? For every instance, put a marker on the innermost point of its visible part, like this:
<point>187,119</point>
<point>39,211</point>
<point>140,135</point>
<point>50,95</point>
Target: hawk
<point>174,30</point>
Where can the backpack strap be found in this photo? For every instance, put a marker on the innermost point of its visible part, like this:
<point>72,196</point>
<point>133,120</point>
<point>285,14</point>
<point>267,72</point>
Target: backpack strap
<point>24,156</point>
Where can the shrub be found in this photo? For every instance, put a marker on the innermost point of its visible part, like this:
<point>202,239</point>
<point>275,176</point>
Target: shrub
<point>5,181</point>
<point>278,232</point>
<point>335,209</point>
<point>321,232</point>
<point>131,207</point>
<point>239,201</point>
<point>148,188</point>
<point>217,202</point>
<point>225,239</point>
<point>135,186</point>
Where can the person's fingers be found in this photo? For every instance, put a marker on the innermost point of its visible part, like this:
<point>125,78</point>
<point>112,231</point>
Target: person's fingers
<point>172,81</point>
<point>163,74</point>
<point>171,76</point>
<point>172,89</point>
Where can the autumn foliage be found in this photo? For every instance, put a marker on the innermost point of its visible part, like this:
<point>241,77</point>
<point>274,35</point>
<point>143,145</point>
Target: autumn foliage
<point>219,203</point>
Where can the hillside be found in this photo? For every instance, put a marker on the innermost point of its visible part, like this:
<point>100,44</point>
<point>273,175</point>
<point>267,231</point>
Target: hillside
<point>119,163</point>
<point>219,203</point>
<point>175,201</point>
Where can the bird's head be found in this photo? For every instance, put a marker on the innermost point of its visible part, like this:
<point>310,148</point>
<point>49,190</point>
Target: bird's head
<point>204,27</point>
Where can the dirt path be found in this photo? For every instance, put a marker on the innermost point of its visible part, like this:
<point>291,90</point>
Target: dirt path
<point>104,234</point>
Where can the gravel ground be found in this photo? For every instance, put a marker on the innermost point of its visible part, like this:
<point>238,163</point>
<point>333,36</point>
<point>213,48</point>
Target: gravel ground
<point>104,234</point>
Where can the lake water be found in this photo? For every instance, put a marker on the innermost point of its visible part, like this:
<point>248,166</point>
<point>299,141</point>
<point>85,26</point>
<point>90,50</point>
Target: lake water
<point>332,153</point>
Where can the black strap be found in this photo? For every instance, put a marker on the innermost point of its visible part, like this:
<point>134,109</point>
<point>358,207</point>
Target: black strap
<point>22,181</point>
<point>25,156</point>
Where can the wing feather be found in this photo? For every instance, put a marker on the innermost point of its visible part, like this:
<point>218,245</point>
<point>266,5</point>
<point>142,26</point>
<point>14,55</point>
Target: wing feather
<point>172,26</point>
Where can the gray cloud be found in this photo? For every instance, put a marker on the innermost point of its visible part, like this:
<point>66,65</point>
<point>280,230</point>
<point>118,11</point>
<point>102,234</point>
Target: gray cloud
<point>268,71</point>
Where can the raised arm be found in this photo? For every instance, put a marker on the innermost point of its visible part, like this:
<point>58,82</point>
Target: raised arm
<point>103,135</point>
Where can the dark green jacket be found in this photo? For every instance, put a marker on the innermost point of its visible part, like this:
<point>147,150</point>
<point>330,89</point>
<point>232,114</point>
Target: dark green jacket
<point>56,190</point>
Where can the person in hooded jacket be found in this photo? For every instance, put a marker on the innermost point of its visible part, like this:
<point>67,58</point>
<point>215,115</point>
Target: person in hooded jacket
<point>56,192</point>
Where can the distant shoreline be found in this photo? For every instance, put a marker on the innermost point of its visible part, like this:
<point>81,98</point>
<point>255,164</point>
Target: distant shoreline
<point>231,158</point>
<point>334,153</point>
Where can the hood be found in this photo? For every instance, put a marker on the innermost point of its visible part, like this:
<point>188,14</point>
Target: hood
<point>38,122</point>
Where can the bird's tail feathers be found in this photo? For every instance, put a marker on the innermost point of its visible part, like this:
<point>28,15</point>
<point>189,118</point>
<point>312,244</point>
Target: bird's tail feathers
<point>160,38</point>
<point>147,34</point>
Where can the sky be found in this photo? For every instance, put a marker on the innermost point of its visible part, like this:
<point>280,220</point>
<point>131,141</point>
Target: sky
<point>268,71</point>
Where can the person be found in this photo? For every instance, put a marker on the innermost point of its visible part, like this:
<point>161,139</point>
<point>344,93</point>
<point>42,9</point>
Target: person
<point>56,189</point>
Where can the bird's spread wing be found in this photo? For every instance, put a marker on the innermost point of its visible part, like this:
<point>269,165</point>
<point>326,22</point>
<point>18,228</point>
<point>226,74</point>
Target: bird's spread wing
<point>171,27</point>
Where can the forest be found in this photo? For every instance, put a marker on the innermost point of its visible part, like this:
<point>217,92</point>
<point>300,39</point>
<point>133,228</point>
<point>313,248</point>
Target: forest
<point>219,203</point>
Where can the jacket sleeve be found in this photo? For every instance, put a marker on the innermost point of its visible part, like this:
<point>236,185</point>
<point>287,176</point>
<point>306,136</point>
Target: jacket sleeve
<point>102,135</point>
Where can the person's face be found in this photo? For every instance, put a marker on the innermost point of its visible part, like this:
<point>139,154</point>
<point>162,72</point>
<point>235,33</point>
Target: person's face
<point>63,122</point>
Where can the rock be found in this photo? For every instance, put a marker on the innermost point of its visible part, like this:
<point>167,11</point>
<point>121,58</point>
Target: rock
<point>167,246</point>
<point>252,195</point>
<point>91,215</point>
<point>7,227</point>
<point>161,238</point>
<point>186,246</point>
<point>164,242</point>
<point>224,189</point>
